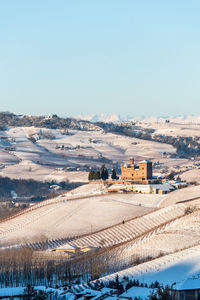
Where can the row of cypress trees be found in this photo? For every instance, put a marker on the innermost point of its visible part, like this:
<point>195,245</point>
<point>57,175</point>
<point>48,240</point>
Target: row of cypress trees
<point>101,174</point>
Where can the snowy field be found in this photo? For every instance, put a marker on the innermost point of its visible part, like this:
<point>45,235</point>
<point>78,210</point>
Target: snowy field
<point>173,129</point>
<point>63,217</point>
<point>145,200</point>
<point>27,169</point>
<point>181,195</point>
<point>43,154</point>
<point>84,210</point>
<point>191,176</point>
<point>181,269</point>
<point>180,234</point>
<point>7,158</point>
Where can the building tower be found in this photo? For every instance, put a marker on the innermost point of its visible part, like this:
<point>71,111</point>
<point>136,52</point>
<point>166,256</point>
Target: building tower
<point>141,172</point>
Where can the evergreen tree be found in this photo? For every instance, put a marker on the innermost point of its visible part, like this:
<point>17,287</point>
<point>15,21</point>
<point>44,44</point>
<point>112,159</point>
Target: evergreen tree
<point>161,293</point>
<point>91,175</point>
<point>104,172</point>
<point>114,175</point>
<point>171,176</point>
<point>96,175</point>
<point>29,292</point>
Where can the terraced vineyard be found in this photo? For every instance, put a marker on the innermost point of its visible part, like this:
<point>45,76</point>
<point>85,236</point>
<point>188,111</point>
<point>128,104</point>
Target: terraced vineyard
<point>144,270</point>
<point>53,222</point>
<point>154,265</point>
<point>114,235</point>
<point>130,230</point>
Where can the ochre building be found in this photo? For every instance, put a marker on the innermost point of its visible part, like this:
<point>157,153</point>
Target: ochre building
<point>140,172</point>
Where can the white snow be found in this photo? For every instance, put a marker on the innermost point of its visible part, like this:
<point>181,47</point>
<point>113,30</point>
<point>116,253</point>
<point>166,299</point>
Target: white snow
<point>71,150</point>
<point>186,193</point>
<point>141,292</point>
<point>170,269</point>
<point>63,218</point>
<point>188,119</point>
<point>191,176</point>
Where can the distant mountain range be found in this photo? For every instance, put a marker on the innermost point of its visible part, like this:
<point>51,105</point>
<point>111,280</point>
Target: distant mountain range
<point>114,118</point>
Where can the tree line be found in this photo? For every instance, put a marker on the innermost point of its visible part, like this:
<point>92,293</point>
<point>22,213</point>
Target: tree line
<point>8,119</point>
<point>102,174</point>
<point>30,187</point>
<point>22,266</point>
<point>19,267</point>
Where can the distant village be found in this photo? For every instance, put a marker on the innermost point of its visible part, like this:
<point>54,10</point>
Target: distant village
<point>137,178</point>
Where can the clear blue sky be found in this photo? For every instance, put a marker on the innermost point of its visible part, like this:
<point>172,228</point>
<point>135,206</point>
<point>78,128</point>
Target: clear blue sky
<point>100,56</point>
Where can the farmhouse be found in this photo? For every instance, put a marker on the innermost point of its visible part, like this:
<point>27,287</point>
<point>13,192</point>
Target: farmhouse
<point>140,172</point>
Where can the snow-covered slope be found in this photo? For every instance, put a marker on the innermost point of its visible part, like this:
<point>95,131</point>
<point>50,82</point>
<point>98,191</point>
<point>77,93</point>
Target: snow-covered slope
<point>107,118</point>
<point>51,154</point>
<point>177,268</point>
<point>72,214</point>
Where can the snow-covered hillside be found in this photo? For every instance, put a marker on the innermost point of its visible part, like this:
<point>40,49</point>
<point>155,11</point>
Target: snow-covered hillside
<point>107,118</point>
<point>64,217</point>
<point>42,154</point>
